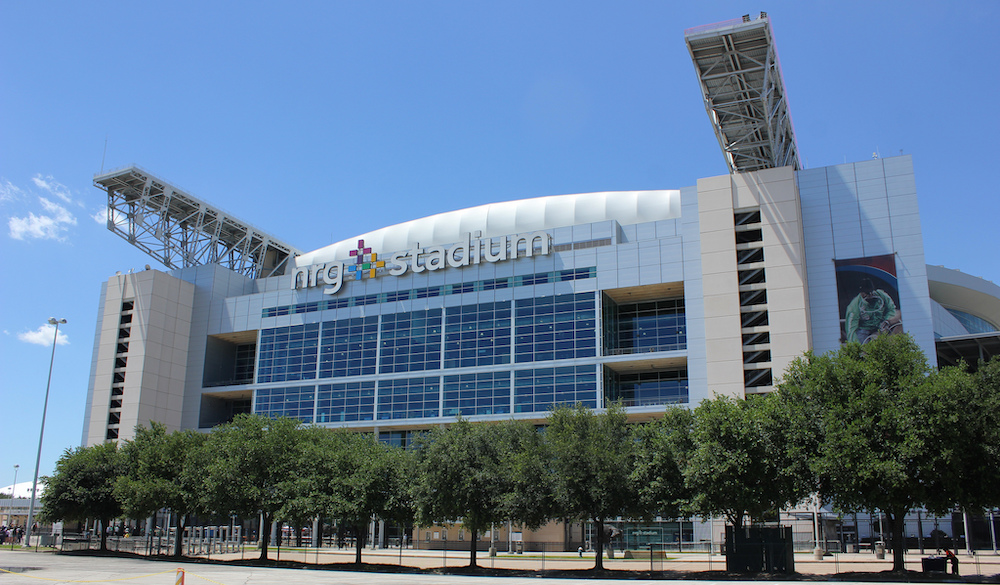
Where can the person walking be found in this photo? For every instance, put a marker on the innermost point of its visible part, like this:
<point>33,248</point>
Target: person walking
<point>950,556</point>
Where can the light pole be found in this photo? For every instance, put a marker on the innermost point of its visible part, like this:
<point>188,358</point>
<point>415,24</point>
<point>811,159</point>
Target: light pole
<point>13,488</point>
<point>41,433</point>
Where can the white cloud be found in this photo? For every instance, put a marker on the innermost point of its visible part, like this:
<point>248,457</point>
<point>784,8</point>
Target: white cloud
<point>101,217</point>
<point>62,216</point>
<point>52,186</point>
<point>50,225</point>
<point>9,191</point>
<point>43,336</point>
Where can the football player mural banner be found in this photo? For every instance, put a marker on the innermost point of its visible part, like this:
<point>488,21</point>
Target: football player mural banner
<point>869,298</point>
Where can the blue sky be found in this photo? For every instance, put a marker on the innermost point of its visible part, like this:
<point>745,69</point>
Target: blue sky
<point>317,121</point>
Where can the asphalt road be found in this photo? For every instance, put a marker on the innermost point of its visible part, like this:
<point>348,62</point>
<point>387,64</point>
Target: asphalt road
<point>26,567</point>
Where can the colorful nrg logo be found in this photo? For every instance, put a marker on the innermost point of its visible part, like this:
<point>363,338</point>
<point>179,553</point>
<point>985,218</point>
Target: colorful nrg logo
<point>367,262</point>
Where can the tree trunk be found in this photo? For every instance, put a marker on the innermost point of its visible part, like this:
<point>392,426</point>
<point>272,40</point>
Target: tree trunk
<point>360,535</point>
<point>104,533</point>
<point>599,564</point>
<point>897,521</point>
<point>737,520</point>
<point>265,535</point>
<point>472,549</point>
<point>179,537</point>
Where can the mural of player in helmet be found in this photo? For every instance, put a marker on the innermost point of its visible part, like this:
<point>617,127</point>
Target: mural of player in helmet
<point>869,298</point>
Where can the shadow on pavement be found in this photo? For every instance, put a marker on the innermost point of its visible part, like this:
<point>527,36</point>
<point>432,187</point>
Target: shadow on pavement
<point>877,577</point>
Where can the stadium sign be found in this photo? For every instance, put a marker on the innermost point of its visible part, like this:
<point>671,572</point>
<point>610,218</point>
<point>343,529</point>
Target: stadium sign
<point>471,250</point>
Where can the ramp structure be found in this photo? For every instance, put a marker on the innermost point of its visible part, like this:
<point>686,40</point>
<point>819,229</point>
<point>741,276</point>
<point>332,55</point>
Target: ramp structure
<point>740,77</point>
<point>180,230</point>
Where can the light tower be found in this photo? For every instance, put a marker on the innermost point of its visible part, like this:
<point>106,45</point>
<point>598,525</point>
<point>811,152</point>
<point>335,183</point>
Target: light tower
<point>740,77</point>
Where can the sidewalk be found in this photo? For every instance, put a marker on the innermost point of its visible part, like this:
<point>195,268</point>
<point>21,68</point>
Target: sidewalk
<point>382,567</point>
<point>983,563</point>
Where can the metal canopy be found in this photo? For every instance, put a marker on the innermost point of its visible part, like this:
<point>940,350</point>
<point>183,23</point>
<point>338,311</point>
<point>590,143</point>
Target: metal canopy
<point>181,231</point>
<point>740,77</point>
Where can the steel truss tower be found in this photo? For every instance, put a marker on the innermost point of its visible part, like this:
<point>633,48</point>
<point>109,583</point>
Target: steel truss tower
<point>181,231</point>
<point>740,77</point>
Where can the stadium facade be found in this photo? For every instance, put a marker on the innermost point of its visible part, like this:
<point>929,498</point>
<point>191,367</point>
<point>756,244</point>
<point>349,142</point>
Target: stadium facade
<point>653,298</point>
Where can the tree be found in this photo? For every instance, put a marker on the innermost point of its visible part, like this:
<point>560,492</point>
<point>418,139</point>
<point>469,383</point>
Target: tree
<point>528,498</point>
<point>162,470</point>
<point>882,428</point>
<point>592,457</point>
<point>83,486</point>
<point>960,437</point>
<point>662,446</point>
<point>739,462</point>
<point>352,477</point>
<point>481,474</point>
<point>980,478</point>
<point>250,461</point>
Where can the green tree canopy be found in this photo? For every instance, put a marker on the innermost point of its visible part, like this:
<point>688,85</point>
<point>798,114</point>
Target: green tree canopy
<point>528,499</point>
<point>969,445</point>
<point>740,463</point>
<point>592,457</point>
<point>662,446</point>
<point>162,470</point>
<point>980,459</point>
<point>481,474</point>
<point>82,486</point>
<point>352,477</point>
<point>250,460</point>
<point>884,431</point>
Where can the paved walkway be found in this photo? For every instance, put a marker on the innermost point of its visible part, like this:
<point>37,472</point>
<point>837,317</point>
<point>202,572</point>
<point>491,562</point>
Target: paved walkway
<point>985,563</point>
<point>42,567</point>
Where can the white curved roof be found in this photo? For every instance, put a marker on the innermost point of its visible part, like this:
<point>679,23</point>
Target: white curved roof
<point>954,289</point>
<point>508,218</point>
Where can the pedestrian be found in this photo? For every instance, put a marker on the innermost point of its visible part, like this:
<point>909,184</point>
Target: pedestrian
<point>950,556</point>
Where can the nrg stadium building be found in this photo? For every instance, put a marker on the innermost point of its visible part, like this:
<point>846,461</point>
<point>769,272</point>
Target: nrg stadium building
<point>653,298</point>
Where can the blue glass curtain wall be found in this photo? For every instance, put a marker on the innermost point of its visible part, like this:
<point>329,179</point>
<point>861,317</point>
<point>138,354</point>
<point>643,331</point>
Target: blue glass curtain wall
<point>555,328</point>
<point>477,335</point>
<point>348,347</point>
<point>295,402</point>
<point>472,394</point>
<point>351,401</point>
<point>644,327</point>
<point>544,329</point>
<point>288,353</point>
<point>646,388</point>
<point>540,389</point>
<point>411,342</point>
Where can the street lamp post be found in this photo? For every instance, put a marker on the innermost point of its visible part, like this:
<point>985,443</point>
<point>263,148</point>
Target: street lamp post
<point>13,488</point>
<point>41,434</point>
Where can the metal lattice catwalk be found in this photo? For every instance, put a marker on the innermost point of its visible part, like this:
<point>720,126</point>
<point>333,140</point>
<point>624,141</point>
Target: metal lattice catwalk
<point>180,230</point>
<point>744,93</point>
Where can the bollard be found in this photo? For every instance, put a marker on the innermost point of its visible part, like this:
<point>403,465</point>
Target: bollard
<point>180,577</point>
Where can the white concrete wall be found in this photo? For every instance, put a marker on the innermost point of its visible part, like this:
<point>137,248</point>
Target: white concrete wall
<point>774,192</point>
<point>861,209</point>
<point>156,359</point>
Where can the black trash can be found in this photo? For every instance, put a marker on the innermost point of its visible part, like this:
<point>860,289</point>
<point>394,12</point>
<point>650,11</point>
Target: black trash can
<point>933,564</point>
